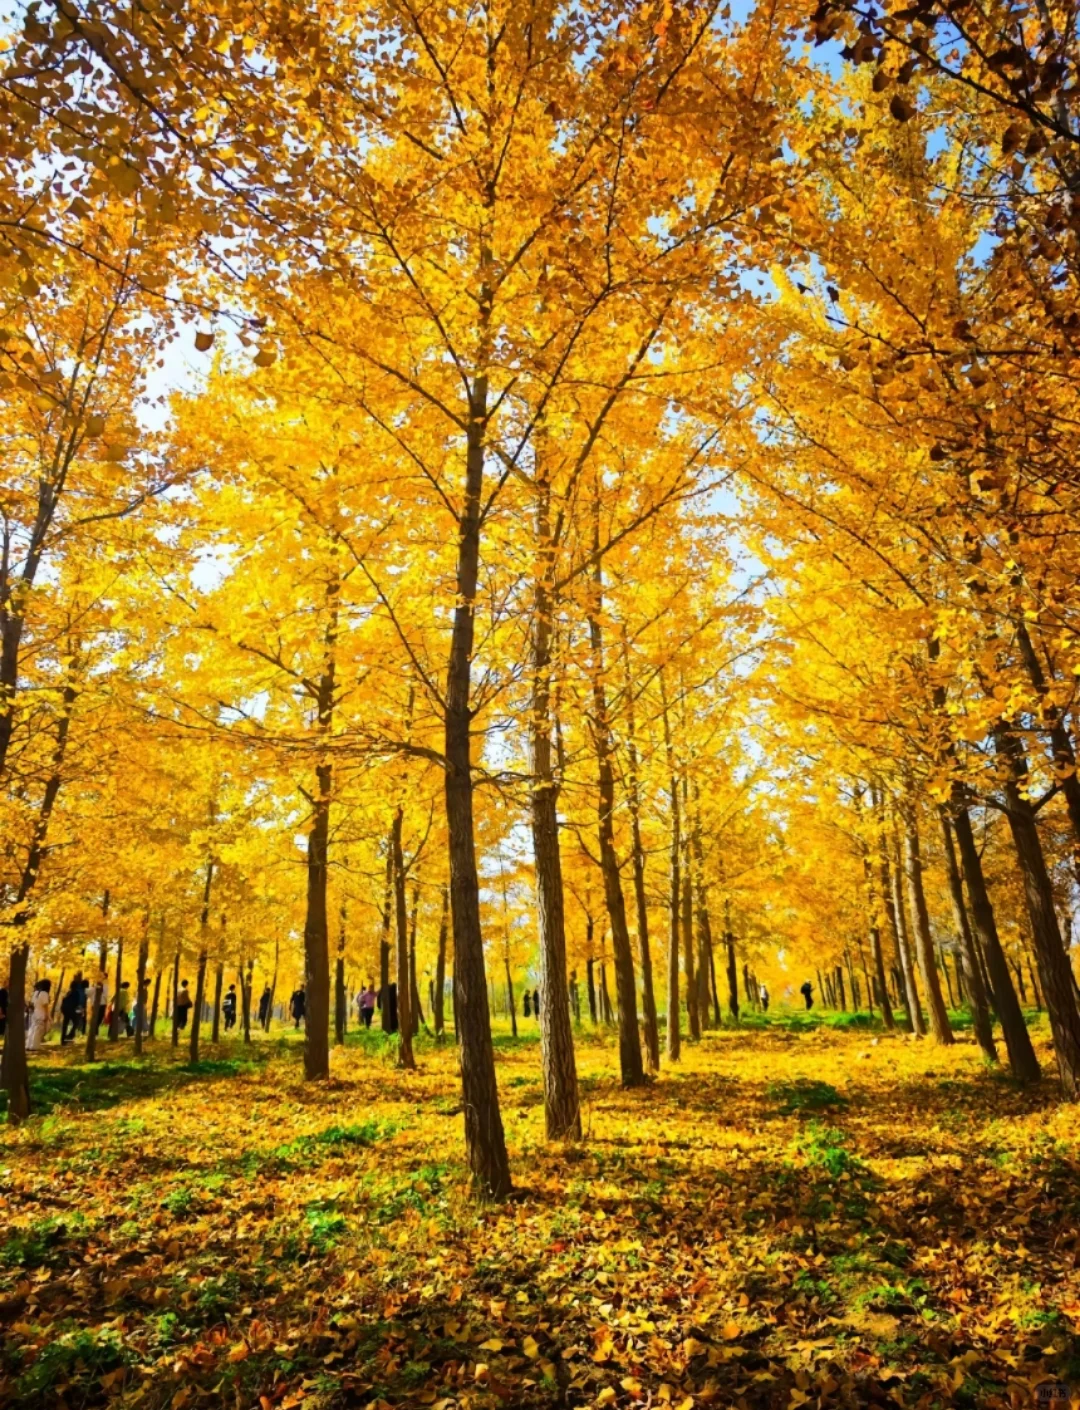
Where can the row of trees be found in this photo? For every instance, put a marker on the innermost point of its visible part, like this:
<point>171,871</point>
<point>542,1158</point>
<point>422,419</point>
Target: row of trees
<point>512,527</point>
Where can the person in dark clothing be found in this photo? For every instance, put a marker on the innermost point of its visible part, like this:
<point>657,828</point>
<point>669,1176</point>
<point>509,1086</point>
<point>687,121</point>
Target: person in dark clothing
<point>228,1008</point>
<point>123,1009</point>
<point>184,1002</point>
<point>264,1006</point>
<point>84,1008</point>
<point>806,989</point>
<point>71,1006</point>
<point>536,1002</point>
<point>526,1004</point>
<point>298,1006</point>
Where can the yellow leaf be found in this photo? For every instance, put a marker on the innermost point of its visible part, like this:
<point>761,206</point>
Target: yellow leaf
<point>731,1331</point>
<point>606,1396</point>
<point>492,1344</point>
<point>530,1348</point>
<point>239,1352</point>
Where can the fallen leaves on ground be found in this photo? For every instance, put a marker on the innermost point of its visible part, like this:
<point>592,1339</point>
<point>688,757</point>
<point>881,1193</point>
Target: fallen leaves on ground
<point>784,1219</point>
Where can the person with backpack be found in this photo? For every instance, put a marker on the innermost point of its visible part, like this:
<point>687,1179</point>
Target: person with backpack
<point>72,1007</point>
<point>806,989</point>
<point>228,1008</point>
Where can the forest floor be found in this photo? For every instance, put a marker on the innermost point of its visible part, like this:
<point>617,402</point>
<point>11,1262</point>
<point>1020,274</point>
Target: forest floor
<point>792,1216</point>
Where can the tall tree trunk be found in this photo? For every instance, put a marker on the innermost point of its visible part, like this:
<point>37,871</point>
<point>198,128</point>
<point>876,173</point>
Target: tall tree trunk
<point>200,975</point>
<point>590,984</point>
<point>686,924</point>
<point>648,995</point>
<point>438,1002</point>
<point>154,1005</point>
<point>140,983</point>
<point>247,979</point>
<point>1055,972</point>
<point>219,983</point>
<point>1060,744</point>
<point>511,1006</point>
<point>732,967</point>
<point>903,944</point>
<point>980,1011</point>
<point>118,976</point>
<point>913,870</point>
<point>404,978</point>
<point>1022,1059</point>
<point>876,956</point>
<point>273,985</point>
<point>886,883</point>
<point>384,937</point>
<point>316,919</point>
<point>630,1062</point>
<point>674,1036</point>
<point>341,1001</point>
<point>16,1070</point>
<point>414,986</point>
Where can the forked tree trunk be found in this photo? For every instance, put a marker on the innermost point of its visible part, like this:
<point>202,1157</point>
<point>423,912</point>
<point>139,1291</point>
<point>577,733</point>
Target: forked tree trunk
<point>1055,973</point>
<point>973,982</point>
<point>1022,1060</point>
<point>913,867</point>
<point>404,978</point>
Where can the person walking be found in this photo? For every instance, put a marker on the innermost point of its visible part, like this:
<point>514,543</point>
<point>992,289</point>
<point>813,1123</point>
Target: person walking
<point>40,1005</point>
<point>72,1005</point>
<point>298,1006</point>
<point>228,1008</point>
<point>366,1004</point>
<point>536,1002</point>
<point>806,989</point>
<point>763,995</point>
<point>526,1004</point>
<point>182,1004</point>
<point>264,1007</point>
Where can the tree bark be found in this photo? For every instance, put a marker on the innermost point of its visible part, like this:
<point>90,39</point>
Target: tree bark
<point>438,1003</point>
<point>1055,972</point>
<point>674,1035</point>
<point>414,984</point>
<point>903,946</point>
<point>16,1070</point>
<point>140,985</point>
<point>686,919</point>
<point>316,920</point>
<point>913,870</point>
<point>154,1005</point>
<point>118,976</point>
<point>200,975</point>
<point>219,981</point>
<point>404,977</point>
<point>648,995</point>
<point>980,1010</point>
<point>341,1001</point>
<point>631,1067</point>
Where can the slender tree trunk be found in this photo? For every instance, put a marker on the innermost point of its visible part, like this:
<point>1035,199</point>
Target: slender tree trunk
<point>1060,744</point>
<point>438,1001</point>
<point>984,1032</point>
<point>404,978</point>
<point>630,1061</point>
<point>887,885</point>
<point>16,1070</point>
<point>118,976</point>
<point>1055,972</point>
<point>341,1001</point>
<point>246,985</point>
<point>686,918</point>
<point>414,985</point>
<point>273,985</point>
<point>219,983</point>
<point>140,984</point>
<point>732,967</point>
<point>903,945</point>
<point>876,956</point>
<point>384,937</point>
<point>913,869</point>
<point>674,1036</point>
<point>1022,1060</point>
<point>648,996</point>
<point>200,974</point>
<point>511,1006</point>
<point>590,984</point>
<point>154,1005</point>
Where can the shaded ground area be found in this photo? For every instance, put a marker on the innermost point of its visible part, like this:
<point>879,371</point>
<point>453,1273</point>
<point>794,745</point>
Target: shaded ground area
<point>793,1216</point>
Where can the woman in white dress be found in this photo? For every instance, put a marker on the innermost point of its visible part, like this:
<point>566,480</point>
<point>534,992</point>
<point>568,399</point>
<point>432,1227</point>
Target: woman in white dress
<point>39,1014</point>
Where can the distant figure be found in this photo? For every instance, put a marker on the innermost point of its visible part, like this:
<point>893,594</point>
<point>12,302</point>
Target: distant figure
<point>103,998</point>
<point>527,1005</point>
<point>365,1003</point>
<point>228,1008</point>
<point>72,1005</point>
<point>264,1007</point>
<point>123,1009</point>
<point>184,1002</point>
<point>763,995</point>
<point>298,1006</point>
<point>536,1002</point>
<point>806,989</point>
<point>39,1014</point>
